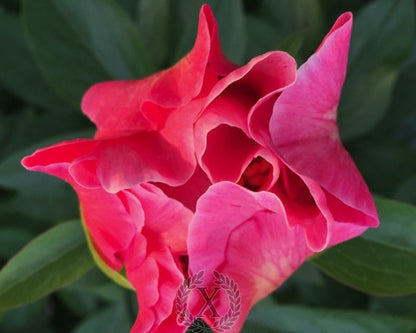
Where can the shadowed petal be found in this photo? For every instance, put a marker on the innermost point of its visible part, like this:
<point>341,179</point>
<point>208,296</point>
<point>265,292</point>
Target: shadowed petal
<point>156,281</point>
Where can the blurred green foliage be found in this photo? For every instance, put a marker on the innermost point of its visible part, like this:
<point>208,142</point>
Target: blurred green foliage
<point>53,50</point>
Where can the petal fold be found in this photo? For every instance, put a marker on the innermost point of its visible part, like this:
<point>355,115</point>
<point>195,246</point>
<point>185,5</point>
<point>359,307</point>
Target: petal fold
<point>245,236</point>
<point>305,135</point>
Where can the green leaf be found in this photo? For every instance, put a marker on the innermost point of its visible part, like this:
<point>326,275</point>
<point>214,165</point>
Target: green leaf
<point>110,320</point>
<point>184,24</point>
<point>78,43</point>
<point>230,19</point>
<point>387,155</point>
<point>262,36</point>
<point>18,71</point>
<point>154,27</point>
<point>293,43</point>
<point>407,191</point>
<point>401,306</point>
<point>32,318</point>
<point>318,290</point>
<point>381,41</point>
<point>12,240</point>
<point>12,173</point>
<point>296,18</point>
<point>296,319</point>
<point>43,197</point>
<point>52,260</point>
<point>96,284</point>
<point>129,6</point>
<point>231,26</point>
<point>403,99</point>
<point>381,261</point>
<point>78,302</point>
<point>24,126</point>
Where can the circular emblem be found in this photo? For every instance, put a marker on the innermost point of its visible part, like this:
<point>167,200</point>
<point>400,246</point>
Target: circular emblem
<point>220,323</point>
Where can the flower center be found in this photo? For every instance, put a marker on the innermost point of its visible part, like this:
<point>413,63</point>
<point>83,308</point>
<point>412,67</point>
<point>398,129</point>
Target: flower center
<point>255,177</point>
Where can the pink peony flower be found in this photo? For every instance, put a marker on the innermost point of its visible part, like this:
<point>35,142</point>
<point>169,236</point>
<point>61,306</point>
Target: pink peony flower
<point>239,172</point>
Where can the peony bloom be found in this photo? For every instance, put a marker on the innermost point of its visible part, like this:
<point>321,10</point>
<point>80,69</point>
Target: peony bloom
<point>210,168</point>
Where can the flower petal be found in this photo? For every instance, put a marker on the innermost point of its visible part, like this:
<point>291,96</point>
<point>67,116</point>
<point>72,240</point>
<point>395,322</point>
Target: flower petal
<point>56,159</point>
<point>228,153</point>
<point>117,106</point>
<point>158,276</point>
<point>156,282</point>
<point>144,157</point>
<point>103,213</point>
<point>119,163</point>
<point>188,193</point>
<point>225,151</point>
<point>167,220</point>
<point>124,211</point>
<point>305,135</point>
<point>245,236</point>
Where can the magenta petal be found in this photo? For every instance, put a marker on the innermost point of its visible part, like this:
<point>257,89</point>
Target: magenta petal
<point>259,119</point>
<point>231,99</point>
<point>156,281</point>
<point>224,151</point>
<point>253,244</point>
<point>304,130</point>
<point>262,75</point>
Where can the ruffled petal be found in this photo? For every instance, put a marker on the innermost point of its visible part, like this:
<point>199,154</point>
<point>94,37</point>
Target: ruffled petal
<point>156,281</point>
<point>262,75</point>
<point>144,157</point>
<point>117,106</point>
<point>115,164</point>
<point>56,159</point>
<point>305,134</point>
<point>125,211</point>
<point>222,139</point>
<point>167,220</point>
<point>231,99</point>
<point>103,213</point>
<point>245,236</point>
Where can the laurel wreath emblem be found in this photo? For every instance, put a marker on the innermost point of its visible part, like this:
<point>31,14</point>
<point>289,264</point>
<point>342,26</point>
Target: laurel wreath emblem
<point>184,316</point>
<point>223,323</point>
